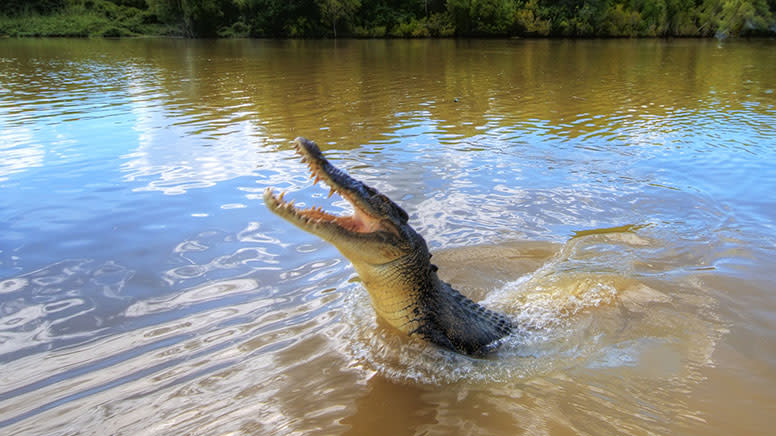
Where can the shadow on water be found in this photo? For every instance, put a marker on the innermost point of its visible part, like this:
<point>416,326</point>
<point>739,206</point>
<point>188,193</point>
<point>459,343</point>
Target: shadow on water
<point>401,406</point>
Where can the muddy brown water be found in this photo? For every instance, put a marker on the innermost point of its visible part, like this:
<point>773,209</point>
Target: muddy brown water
<point>614,198</point>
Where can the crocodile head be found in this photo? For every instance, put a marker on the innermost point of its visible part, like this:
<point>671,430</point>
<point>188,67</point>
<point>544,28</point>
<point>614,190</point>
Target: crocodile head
<point>392,260</point>
<point>376,233</point>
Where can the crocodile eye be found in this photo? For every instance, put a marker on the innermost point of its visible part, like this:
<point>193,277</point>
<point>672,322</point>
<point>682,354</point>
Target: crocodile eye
<point>390,207</point>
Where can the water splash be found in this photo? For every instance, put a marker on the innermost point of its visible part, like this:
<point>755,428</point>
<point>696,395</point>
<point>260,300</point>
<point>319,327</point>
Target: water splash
<point>567,315</point>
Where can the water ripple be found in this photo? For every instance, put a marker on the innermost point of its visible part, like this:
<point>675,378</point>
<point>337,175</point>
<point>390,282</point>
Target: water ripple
<point>612,197</point>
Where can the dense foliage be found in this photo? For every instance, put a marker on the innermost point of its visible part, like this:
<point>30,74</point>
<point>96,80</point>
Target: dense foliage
<point>394,18</point>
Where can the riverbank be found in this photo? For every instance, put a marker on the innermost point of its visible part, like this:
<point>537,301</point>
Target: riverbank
<point>374,19</point>
<point>80,20</point>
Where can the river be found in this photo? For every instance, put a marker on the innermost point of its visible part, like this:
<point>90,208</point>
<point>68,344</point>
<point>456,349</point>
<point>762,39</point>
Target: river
<point>614,198</point>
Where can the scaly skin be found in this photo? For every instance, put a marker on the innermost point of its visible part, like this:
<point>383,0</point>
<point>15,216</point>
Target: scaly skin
<point>393,262</point>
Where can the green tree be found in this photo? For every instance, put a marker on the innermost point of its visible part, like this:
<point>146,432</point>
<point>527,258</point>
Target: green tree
<point>335,10</point>
<point>483,17</point>
<point>267,17</point>
<point>206,17</point>
<point>743,17</point>
<point>492,17</point>
<point>404,18</point>
<point>460,12</point>
<point>735,17</point>
<point>528,21</point>
<point>14,7</point>
<point>198,18</point>
<point>167,11</point>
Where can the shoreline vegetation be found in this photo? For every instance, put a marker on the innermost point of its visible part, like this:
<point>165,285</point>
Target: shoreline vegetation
<point>387,18</point>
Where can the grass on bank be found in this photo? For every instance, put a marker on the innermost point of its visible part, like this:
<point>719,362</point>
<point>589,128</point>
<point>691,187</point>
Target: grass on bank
<point>110,20</point>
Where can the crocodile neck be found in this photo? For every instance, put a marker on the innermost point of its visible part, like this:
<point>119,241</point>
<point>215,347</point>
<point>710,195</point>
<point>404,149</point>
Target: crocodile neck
<point>410,296</point>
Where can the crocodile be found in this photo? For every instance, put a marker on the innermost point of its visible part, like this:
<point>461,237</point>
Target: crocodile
<point>393,262</point>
